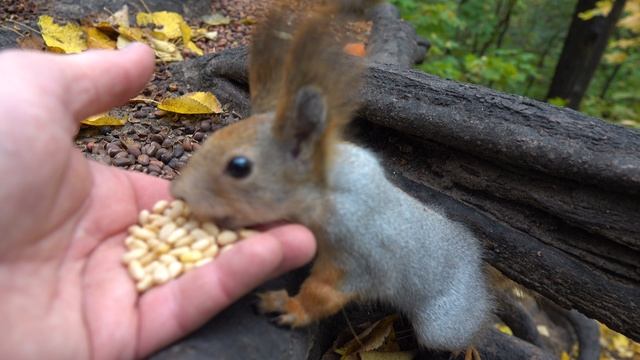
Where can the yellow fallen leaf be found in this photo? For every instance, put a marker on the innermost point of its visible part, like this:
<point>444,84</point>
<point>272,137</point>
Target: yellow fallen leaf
<point>186,39</point>
<point>216,19</point>
<point>166,24</point>
<point>565,356</point>
<point>122,42</point>
<point>192,103</point>
<point>96,39</point>
<point>186,32</point>
<point>131,34</point>
<point>67,38</point>
<point>194,48</point>
<point>165,51</point>
<point>111,24</point>
<point>104,120</point>
<point>120,17</point>
<point>376,355</point>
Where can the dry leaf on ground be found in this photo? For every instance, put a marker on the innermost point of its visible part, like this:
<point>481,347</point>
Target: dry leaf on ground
<point>379,337</point>
<point>96,39</point>
<point>68,39</point>
<point>31,42</point>
<point>192,103</point>
<point>397,355</point>
<point>186,39</point>
<point>104,120</point>
<point>165,24</point>
<point>216,19</point>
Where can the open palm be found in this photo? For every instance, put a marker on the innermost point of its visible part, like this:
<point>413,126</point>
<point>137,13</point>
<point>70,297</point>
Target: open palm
<point>63,220</point>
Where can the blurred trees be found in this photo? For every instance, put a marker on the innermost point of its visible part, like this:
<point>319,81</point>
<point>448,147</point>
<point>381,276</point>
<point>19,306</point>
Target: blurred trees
<point>515,45</point>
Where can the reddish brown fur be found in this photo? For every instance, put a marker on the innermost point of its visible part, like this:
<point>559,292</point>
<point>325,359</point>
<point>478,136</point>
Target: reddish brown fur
<point>318,298</point>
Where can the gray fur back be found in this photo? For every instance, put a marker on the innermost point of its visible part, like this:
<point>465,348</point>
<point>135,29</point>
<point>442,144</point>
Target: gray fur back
<point>399,251</point>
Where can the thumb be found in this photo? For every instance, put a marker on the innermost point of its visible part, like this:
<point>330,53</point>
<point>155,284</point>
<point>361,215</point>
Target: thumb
<point>84,84</point>
<point>99,80</point>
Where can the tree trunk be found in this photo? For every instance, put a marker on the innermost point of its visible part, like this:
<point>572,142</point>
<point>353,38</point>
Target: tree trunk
<point>584,45</point>
<point>501,27</point>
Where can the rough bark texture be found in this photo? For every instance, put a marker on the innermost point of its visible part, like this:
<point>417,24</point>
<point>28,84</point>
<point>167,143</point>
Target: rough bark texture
<point>553,194</point>
<point>583,48</point>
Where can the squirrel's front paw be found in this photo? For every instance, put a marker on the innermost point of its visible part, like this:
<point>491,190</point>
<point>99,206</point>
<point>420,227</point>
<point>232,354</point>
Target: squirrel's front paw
<point>291,312</point>
<point>272,301</point>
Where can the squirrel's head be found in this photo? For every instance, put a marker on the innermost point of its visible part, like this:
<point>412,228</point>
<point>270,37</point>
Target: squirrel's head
<point>273,165</point>
<point>259,170</point>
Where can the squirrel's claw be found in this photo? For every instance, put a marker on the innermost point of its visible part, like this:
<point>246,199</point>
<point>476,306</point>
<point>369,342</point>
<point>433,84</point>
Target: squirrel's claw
<point>272,302</point>
<point>290,313</point>
<point>285,320</point>
<point>472,354</point>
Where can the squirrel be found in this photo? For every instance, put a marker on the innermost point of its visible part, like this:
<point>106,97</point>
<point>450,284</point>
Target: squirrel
<point>288,161</point>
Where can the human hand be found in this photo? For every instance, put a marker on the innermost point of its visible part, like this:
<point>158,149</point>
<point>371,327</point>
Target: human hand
<point>64,218</point>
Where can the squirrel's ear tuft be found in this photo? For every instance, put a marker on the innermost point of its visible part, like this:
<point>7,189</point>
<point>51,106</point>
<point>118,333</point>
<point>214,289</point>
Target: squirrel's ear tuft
<point>306,123</point>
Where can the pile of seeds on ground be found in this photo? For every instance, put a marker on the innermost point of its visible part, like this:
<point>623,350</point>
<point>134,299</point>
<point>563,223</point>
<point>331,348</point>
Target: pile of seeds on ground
<point>167,242</point>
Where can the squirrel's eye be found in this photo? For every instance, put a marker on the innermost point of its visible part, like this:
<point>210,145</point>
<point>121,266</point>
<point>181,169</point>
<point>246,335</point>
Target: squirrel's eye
<point>239,167</point>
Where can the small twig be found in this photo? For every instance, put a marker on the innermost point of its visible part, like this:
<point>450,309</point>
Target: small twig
<point>145,6</point>
<point>25,25</point>
<point>11,29</point>
<point>353,331</point>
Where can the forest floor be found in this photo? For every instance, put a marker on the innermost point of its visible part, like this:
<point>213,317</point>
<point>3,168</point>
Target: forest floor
<point>158,142</point>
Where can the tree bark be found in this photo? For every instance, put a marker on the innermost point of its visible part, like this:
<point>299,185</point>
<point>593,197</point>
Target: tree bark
<point>393,40</point>
<point>583,48</point>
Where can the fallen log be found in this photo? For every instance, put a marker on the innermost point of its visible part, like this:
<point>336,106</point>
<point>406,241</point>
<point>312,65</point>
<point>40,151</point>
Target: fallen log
<point>553,194</point>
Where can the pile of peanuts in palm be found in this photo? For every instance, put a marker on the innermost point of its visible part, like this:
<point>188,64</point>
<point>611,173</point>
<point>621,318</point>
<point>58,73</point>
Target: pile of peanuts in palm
<point>167,243</point>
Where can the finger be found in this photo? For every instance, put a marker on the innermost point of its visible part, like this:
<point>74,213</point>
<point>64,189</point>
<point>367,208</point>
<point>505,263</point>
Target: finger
<point>98,80</point>
<point>79,85</point>
<point>299,251</point>
<point>171,311</point>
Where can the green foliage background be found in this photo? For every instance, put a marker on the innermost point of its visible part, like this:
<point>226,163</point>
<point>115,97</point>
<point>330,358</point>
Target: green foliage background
<point>473,42</point>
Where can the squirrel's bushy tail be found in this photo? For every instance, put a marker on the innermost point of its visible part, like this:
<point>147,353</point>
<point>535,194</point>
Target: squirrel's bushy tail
<point>293,50</point>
